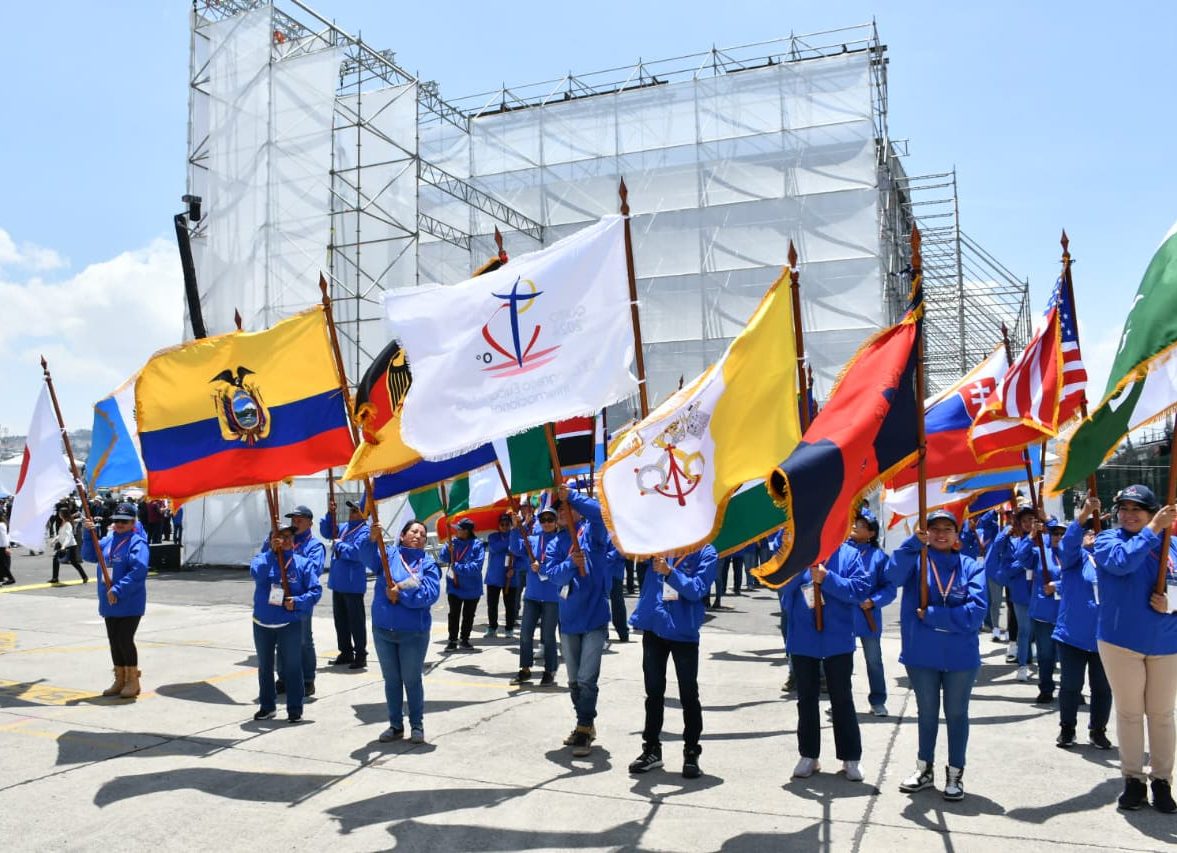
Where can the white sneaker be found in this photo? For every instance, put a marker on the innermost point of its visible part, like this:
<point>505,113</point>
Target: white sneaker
<point>1023,673</point>
<point>805,768</point>
<point>878,710</point>
<point>853,771</point>
<point>997,635</point>
<point>1011,654</point>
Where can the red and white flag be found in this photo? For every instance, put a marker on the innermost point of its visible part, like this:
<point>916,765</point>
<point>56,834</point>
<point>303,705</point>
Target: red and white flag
<point>44,476</point>
<point>1041,391</point>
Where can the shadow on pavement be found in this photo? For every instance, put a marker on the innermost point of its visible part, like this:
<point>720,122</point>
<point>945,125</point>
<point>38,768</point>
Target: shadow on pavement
<point>403,805</point>
<point>1099,796</point>
<point>927,808</point>
<point>80,747</point>
<point>413,835</point>
<point>198,691</point>
<point>815,837</point>
<point>377,712</point>
<point>228,784</point>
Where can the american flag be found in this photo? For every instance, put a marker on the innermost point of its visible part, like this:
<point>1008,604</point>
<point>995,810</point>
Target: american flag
<point>1043,388</point>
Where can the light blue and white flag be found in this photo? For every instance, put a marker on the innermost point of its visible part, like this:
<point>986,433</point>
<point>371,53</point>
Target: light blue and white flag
<point>115,459</point>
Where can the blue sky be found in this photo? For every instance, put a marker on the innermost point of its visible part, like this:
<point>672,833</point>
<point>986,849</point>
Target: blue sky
<point>1053,115</point>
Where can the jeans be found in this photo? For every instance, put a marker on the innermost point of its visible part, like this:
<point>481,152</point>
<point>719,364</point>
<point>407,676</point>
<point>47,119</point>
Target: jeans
<point>545,613</point>
<point>306,652</point>
<point>1025,634</point>
<point>617,609</point>
<point>466,608</point>
<point>510,596</point>
<point>582,661</point>
<point>838,669</point>
<point>655,651</point>
<point>872,653</point>
<point>120,631</point>
<point>957,687</point>
<point>351,623</point>
<point>1073,661</point>
<point>993,614</point>
<point>402,662</point>
<point>287,639</point>
<point>1044,644</point>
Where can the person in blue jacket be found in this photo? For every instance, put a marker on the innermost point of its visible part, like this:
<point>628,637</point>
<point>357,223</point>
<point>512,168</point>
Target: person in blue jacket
<point>774,545</point>
<point>1008,561</point>
<point>312,550</point>
<point>1044,601</point>
<point>280,605</point>
<point>463,556</point>
<point>940,649</point>
<point>348,581</point>
<point>500,561</point>
<point>401,621</point>
<point>1074,634</point>
<point>864,538</point>
<point>541,599</point>
<point>616,591</point>
<point>839,584</point>
<point>583,576</point>
<point>125,553</point>
<point>1138,643</point>
<point>987,528</point>
<point>669,613</point>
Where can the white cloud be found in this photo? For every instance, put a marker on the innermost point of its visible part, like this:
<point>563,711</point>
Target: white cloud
<point>28,255</point>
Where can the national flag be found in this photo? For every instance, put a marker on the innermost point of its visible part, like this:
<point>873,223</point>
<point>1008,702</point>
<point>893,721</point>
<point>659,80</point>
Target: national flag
<point>115,459</point>
<point>1043,388</point>
<point>576,440</point>
<point>667,486</point>
<point>995,479</point>
<point>544,338</point>
<point>1142,385</point>
<point>751,515</point>
<point>423,505</point>
<point>904,501</point>
<point>242,410</point>
<point>865,433</point>
<point>423,473</point>
<point>44,476</point>
<point>526,465</point>
<point>985,501</point>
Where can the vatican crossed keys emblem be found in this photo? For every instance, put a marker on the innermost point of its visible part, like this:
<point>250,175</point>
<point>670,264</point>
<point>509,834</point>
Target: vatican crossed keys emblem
<point>676,473</point>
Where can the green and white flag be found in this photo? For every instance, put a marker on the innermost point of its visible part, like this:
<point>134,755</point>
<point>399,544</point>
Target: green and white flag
<point>1142,386</point>
<point>751,515</point>
<point>525,462</point>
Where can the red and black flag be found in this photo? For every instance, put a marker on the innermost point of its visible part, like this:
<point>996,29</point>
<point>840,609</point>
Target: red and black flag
<point>576,440</point>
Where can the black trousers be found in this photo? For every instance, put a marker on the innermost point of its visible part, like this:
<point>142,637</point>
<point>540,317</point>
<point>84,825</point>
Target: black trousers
<point>1011,618</point>
<point>807,673</point>
<point>120,631</point>
<point>69,555</point>
<point>655,651</point>
<point>465,607</point>
<point>6,566</point>
<point>351,623</point>
<point>510,596</point>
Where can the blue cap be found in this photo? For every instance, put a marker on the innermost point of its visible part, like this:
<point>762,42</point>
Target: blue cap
<point>942,515</point>
<point>1141,495</point>
<point>300,510</point>
<point>123,512</point>
<point>1053,523</point>
<point>465,524</point>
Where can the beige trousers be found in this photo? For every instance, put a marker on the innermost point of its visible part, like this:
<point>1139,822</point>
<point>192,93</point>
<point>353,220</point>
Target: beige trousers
<point>1143,685</point>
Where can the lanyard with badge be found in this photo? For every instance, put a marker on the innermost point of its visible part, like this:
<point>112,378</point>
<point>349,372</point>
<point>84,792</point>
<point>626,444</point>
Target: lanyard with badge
<point>944,591</point>
<point>1094,583</point>
<point>277,593</point>
<point>543,547</point>
<point>457,559</point>
<point>413,571</point>
<point>669,593</point>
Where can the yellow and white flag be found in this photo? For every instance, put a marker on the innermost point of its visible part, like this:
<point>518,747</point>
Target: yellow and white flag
<point>666,486</point>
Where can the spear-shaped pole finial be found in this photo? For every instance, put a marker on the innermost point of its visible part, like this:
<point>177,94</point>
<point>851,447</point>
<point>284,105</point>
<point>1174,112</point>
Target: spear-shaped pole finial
<point>917,261</point>
<point>1066,243</point>
<point>237,319</point>
<point>792,255</point>
<point>499,245</point>
<point>623,191</point>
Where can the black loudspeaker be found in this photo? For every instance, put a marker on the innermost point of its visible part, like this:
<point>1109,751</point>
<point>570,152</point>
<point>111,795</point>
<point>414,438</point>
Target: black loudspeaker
<point>165,557</point>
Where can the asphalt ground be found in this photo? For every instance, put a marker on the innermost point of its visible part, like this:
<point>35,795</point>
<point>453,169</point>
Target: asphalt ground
<point>185,766</point>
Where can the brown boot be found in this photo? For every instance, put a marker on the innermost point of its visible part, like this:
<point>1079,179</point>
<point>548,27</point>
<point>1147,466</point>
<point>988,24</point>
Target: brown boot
<point>131,688</point>
<point>120,679</point>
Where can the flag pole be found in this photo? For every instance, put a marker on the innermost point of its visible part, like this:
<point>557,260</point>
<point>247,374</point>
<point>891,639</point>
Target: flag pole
<point>73,467</point>
<point>557,482</point>
<point>370,497</point>
<point>331,502</point>
<point>799,337</point>
<point>272,500</point>
<point>921,393</point>
<point>1170,497</point>
<point>1068,283</point>
<point>643,398</point>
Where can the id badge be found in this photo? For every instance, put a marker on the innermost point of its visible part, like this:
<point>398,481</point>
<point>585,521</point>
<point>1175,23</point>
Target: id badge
<point>450,575</point>
<point>277,596</point>
<point>564,592</point>
<point>807,591</point>
<point>669,593</point>
<point>1030,575</point>
<point>1095,592</point>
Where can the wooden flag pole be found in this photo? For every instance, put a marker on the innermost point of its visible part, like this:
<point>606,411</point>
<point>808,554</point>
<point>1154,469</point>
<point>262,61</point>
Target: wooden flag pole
<point>557,482</point>
<point>799,337</point>
<point>272,500</point>
<point>1170,498</point>
<point>643,398</point>
<point>331,502</point>
<point>516,513</point>
<point>1092,485</point>
<point>73,467</point>
<point>345,389</point>
<point>921,393</point>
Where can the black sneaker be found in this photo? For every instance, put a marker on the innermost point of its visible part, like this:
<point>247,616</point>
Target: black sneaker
<point>451,646</point>
<point>1099,739</point>
<point>308,688</point>
<point>341,659</point>
<point>465,644</point>
<point>280,686</point>
<point>1066,737</point>
<point>359,663</point>
<point>790,684</point>
<point>648,760</point>
<point>1162,797</point>
<point>265,715</point>
<point>548,679</point>
<point>690,764</point>
<point>1135,795</point>
<point>1044,698</point>
<point>523,677</point>
<point>294,717</point>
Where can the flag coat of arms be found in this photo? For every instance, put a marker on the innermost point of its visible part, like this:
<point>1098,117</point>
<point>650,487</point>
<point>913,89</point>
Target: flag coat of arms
<point>547,337</point>
<point>666,486</point>
<point>242,410</point>
<point>377,405</point>
<point>44,476</point>
<point>1142,384</point>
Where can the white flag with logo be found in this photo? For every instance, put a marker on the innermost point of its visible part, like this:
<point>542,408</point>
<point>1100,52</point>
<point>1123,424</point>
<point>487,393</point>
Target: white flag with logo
<point>44,477</point>
<point>547,336</point>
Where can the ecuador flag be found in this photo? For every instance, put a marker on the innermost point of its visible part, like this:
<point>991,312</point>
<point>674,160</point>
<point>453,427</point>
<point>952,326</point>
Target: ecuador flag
<point>242,410</point>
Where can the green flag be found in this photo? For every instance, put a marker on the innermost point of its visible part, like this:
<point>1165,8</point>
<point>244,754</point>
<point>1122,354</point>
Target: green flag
<point>1142,386</point>
<point>750,515</point>
<point>525,462</point>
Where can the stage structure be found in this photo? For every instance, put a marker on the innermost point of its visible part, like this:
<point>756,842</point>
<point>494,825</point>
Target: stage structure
<point>314,151</point>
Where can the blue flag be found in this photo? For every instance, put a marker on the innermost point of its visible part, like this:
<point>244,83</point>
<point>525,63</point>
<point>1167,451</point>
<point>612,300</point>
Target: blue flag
<point>114,458</point>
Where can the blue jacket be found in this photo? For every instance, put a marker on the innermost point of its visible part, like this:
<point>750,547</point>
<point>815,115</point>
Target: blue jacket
<point>301,580</point>
<point>126,556</point>
<point>970,542</point>
<point>616,562</point>
<point>1043,607</point>
<point>845,585</point>
<point>987,528</point>
<point>584,604</point>
<point>347,559</point>
<point>1078,610</point>
<point>1007,562</point>
<point>677,621</point>
<point>540,586</point>
<point>498,552</point>
<point>411,611</point>
<point>329,527</point>
<point>1127,568</point>
<point>463,571</point>
<point>882,592</point>
<point>307,547</point>
<point>946,638</point>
